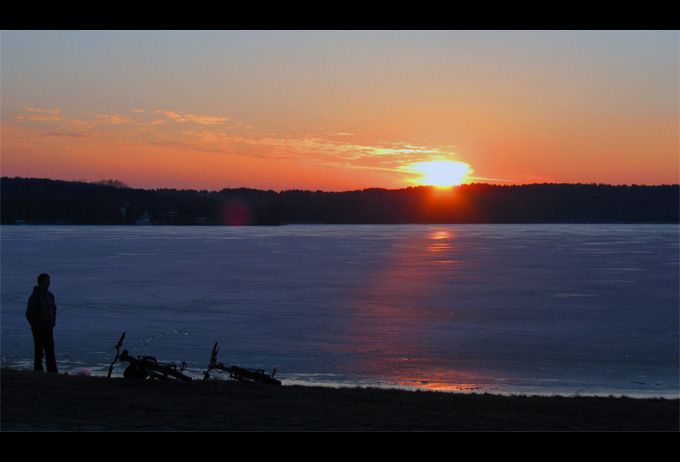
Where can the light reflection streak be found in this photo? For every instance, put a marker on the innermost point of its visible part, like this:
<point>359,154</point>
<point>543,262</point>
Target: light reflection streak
<point>441,242</point>
<point>397,311</point>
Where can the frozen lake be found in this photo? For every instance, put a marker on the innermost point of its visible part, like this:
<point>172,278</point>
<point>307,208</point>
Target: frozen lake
<point>588,309</point>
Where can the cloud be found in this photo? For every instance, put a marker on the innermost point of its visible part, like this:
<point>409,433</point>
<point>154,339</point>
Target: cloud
<point>112,119</point>
<point>226,137</point>
<point>199,119</point>
<point>68,135</point>
<point>42,111</point>
<point>39,118</point>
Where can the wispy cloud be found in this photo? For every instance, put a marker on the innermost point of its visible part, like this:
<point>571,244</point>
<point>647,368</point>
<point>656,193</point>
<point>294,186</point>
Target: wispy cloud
<point>38,118</point>
<point>223,136</point>
<point>62,135</point>
<point>199,119</point>
<point>109,119</point>
<point>42,111</point>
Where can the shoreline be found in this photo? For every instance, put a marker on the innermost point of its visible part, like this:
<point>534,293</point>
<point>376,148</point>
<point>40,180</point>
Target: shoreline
<point>33,401</point>
<point>510,390</point>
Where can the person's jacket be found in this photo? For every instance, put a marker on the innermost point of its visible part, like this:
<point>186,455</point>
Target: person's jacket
<point>41,310</point>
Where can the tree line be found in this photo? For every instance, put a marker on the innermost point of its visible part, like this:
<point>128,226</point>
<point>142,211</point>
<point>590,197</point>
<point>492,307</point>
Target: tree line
<point>111,202</point>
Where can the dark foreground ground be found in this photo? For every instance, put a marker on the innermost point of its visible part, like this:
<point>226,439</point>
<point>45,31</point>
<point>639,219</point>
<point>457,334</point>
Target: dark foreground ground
<point>45,402</point>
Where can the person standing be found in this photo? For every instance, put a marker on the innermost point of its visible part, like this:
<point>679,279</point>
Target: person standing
<point>41,313</point>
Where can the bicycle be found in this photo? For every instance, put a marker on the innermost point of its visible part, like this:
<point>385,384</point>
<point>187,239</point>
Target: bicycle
<point>239,373</point>
<point>143,367</point>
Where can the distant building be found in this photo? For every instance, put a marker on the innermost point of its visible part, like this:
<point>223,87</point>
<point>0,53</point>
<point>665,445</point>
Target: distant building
<point>168,217</point>
<point>202,221</point>
<point>145,220</point>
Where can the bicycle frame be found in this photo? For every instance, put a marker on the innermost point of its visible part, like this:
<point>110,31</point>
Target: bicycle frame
<point>143,367</point>
<point>239,373</point>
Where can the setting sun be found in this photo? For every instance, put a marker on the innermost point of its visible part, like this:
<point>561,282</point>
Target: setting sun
<point>441,172</point>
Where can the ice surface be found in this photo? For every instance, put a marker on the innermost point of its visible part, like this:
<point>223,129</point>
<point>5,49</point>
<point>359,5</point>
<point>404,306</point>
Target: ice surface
<point>591,309</point>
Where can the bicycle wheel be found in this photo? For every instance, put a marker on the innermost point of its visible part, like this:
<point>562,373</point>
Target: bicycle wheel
<point>169,371</point>
<point>133,371</point>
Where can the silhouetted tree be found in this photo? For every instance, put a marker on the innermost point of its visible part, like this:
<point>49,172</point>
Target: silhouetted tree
<point>43,201</point>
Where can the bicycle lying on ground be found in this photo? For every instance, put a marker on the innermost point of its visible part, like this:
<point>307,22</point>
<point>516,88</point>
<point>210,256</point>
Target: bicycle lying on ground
<point>143,367</point>
<point>239,373</point>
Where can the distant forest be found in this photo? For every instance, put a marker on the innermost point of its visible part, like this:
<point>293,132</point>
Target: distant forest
<point>111,202</point>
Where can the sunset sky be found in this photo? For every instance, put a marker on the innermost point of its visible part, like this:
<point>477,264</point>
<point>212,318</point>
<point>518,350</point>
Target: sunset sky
<point>340,110</point>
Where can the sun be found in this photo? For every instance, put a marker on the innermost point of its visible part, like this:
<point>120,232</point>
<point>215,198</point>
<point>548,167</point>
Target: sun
<point>441,173</point>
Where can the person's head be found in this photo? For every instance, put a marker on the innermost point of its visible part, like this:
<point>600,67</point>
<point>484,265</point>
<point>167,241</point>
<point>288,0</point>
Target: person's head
<point>44,281</point>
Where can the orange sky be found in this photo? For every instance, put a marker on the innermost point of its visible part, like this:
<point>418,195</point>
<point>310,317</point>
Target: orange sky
<point>339,110</point>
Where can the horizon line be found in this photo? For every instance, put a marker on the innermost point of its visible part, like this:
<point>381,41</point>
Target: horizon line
<point>122,184</point>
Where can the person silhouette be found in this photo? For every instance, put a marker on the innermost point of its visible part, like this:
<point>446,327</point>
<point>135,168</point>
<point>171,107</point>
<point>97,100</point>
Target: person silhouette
<point>41,313</point>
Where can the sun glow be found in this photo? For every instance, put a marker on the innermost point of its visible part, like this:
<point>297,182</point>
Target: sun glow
<point>441,173</point>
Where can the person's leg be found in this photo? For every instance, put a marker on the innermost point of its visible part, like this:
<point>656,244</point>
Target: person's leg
<point>50,359</point>
<point>38,346</point>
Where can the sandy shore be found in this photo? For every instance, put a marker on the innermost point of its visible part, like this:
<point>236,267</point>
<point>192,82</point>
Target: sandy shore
<point>47,402</point>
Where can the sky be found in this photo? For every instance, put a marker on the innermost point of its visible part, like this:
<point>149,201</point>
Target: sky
<point>340,110</point>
